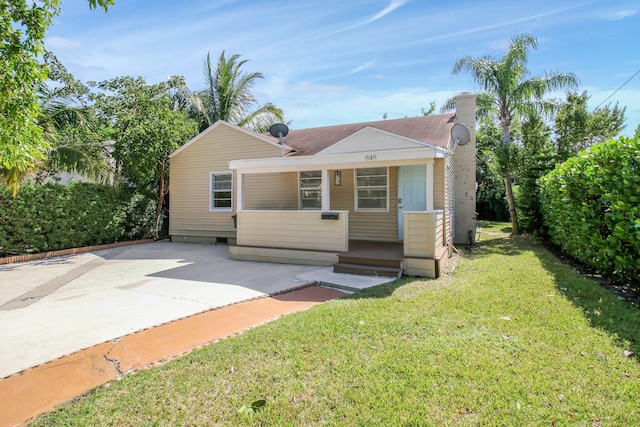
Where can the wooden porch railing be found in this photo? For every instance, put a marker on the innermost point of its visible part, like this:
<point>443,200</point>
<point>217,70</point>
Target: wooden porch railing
<point>289,229</point>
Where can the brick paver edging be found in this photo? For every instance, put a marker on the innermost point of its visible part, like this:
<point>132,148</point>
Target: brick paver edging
<point>37,390</point>
<point>71,251</point>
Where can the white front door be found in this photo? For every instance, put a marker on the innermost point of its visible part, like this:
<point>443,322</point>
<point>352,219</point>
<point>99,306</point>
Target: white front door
<point>412,194</point>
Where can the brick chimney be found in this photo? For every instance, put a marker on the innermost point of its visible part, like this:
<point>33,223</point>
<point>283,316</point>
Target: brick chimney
<point>464,160</point>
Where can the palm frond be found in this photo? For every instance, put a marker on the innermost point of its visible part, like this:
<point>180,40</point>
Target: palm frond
<point>229,95</point>
<point>79,158</point>
<point>485,105</point>
<point>448,105</point>
<point>13,178</point>
<point>541,85</point>
<point>261,119</point>
<point>72,136</point>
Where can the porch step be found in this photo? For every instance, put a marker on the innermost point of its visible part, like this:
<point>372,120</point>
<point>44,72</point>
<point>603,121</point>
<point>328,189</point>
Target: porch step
<point>366,270</point>
<point>371,259</point>
<point>348,258</point>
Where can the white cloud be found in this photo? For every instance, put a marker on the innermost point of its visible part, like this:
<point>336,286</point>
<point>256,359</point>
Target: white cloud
<point>618,14</point>
<point>393,5</point>
<point>326,105</point>
<point>503,24</point>
<point>336,61</point>
<point>363,67</point>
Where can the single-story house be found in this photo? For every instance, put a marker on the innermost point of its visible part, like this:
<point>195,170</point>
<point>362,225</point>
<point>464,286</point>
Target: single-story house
<point>385,197</point>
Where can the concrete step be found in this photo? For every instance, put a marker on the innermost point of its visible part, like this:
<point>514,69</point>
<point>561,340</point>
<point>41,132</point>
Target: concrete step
<point>367,270</point>
<point>368,260</point>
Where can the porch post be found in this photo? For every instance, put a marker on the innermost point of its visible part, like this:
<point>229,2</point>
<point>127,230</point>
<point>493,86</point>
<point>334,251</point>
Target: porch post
<point>429,185</point>
<point>326,205</point>
<point>239,191</point>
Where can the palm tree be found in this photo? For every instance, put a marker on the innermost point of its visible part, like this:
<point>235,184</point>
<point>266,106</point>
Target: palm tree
<point>67,129</point>
<point>507,92</point>
<point>228,96</point>
<point>73,141</point>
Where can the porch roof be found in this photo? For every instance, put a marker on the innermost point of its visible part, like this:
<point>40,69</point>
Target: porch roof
<point>387,143</point>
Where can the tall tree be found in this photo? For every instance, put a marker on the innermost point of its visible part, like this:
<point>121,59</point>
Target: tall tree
<point>577,128</point>
<point>22,28</point>
<point>229,96</point>
<point>538,158</point>
<point>507,91</point>
<point>74,147</point>
<point>69,127</point>
<point>147,129</point>
<point>490,200</point>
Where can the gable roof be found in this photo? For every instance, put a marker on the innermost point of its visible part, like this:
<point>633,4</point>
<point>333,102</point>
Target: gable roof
<point>433,130</point>
<point>259,136</point>
<point>370,139</point>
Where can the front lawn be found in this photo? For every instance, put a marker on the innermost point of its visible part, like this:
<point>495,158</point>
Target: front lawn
<point>512,337</point>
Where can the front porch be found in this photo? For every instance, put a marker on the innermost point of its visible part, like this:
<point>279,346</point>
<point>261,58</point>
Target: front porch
<point>317,238</point>
<point>371,204</point>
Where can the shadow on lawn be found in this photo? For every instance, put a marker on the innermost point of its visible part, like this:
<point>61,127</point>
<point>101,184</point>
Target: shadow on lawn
<point>380,291</point>
<point>603,308</point>
<point>491,244</point>
<point>496,243</point>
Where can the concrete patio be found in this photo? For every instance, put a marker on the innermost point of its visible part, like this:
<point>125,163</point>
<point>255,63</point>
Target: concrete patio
<point>72,323</point>
<point>54,307</point>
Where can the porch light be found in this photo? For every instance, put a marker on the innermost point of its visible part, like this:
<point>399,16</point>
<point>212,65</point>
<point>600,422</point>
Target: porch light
<point>337,178</point>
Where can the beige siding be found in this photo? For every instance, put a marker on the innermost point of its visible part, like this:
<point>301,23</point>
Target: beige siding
<point>421,267</point>
<point>271,191</point>
<point>449,200</point>
<point>369,140</point>
<point>190,174</point>
<point>293,230</point>
<point>423,233</point>
<point>424,246</point>
<point>438,185</point>
<point>375,226</point>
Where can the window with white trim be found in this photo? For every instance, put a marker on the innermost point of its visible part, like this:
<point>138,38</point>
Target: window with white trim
<point>221,185</point>
<point>311,190</point>
<point>372,189</point>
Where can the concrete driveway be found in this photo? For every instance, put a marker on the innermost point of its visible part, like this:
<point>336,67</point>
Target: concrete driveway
<point>54,307</point>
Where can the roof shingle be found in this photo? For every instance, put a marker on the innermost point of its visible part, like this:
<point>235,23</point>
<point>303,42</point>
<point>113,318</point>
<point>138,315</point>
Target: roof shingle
<point>434,130</point>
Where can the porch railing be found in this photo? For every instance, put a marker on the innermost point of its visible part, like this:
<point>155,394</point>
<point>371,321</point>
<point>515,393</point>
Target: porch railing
<point>289,229</point>
<point>423,233</point>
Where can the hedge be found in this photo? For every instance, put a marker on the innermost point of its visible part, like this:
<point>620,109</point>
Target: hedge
<point>52,217</point>
<point>591,206</point>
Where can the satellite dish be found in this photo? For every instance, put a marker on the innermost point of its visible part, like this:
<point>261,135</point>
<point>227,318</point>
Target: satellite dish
<point>460,134</point>
<point>279,130</point>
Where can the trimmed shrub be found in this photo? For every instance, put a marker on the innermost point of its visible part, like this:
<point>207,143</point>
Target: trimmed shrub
<point>52,217</point>
<point>591,206</point>
<point>527,192</point>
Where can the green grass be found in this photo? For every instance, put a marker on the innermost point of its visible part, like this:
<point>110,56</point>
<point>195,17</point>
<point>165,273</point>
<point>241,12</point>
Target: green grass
<point>495,226</point>
<point>512,337</point>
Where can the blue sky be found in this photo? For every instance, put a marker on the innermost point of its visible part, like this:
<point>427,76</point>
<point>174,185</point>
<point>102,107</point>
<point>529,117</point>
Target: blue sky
<point>336,61</point>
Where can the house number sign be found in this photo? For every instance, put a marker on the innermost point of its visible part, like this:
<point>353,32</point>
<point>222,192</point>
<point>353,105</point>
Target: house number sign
<point>369,157</point>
